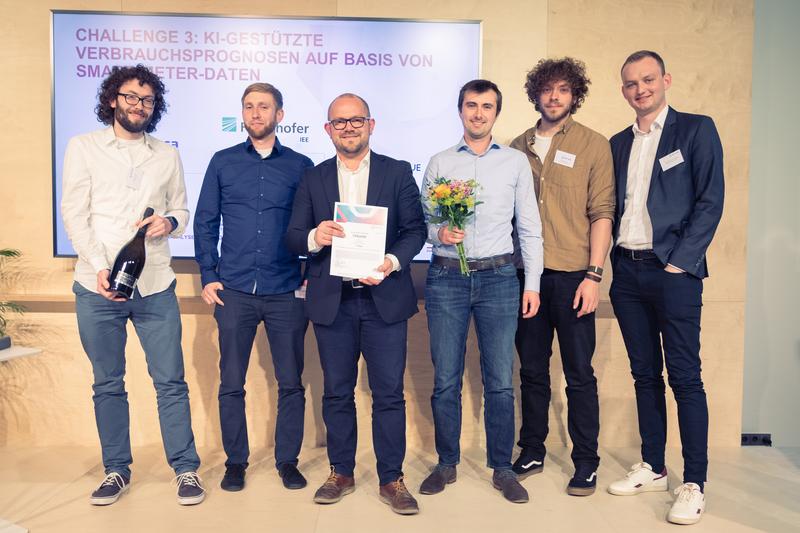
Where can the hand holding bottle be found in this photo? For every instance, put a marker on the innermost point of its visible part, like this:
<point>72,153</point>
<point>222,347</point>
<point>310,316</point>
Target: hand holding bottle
<point>157,226</point>
<point>103,286</point>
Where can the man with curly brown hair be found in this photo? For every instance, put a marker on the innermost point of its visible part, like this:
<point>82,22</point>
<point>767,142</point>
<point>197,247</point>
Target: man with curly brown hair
<point>574,183</point>
<point>110,177</point>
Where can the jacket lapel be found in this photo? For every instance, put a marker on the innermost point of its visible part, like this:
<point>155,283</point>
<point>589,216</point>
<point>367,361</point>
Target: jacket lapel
<point>664,146</point>
<point>376,178</point>
<point>330,183</point>
<point>622,170</point>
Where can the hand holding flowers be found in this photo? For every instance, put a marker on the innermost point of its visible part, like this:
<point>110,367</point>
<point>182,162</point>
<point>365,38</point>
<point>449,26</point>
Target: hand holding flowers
<point>454,201</point>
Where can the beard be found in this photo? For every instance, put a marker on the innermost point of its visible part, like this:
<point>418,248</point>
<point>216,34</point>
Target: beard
<point>265,131</point>
<point>353,149</point>
<point>558,115</point>
<point>121,116</point>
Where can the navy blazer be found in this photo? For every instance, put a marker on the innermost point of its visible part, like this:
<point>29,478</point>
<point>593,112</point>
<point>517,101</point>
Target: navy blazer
<point>391,185</point>
<point>685,201</point>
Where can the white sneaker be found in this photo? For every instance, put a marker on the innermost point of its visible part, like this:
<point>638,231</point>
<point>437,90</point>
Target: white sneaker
<point>641,478</point>
<point>689,505</point>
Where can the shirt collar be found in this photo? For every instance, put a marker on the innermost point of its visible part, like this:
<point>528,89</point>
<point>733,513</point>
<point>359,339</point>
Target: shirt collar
<point>657,123</point>
<point>361,166</point>
<point>565,127</point>
<point>277,148</point>
<point>109,138</point>
<point>462,146</point>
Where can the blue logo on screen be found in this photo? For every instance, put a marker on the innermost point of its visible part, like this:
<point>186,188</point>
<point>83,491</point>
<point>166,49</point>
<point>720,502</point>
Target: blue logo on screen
<point>229,124</point>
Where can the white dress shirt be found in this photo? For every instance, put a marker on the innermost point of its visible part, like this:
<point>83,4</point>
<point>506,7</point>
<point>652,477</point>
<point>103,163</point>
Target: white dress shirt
<point>107,185</point>
<point>635,227</point>
<point>353,185</point>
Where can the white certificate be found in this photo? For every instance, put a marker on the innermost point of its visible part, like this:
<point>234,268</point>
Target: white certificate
<point>361,250</point>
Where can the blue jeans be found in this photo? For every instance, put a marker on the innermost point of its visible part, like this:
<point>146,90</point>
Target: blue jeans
<point>285,322</point>
<point>492,298</point>
<point>157,319</point>
<point>357,329</point>
<point>656,308</point>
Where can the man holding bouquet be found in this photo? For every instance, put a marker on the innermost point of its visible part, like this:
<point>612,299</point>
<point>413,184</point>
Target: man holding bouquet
<point>472,273</point>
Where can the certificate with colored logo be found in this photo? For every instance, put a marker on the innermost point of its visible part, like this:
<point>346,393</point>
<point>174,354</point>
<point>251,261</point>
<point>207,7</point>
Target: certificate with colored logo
<point>361,250</point>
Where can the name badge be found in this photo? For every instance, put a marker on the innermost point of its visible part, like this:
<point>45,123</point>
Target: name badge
<point>564,158</point>
<point>671,160</point>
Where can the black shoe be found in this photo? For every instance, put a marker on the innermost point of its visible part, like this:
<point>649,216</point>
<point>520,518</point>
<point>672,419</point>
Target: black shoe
<point>234,478</point>
<point>440,476</point>
<point>291,477</point>
<point>506,481</point>
<point>109,491</point>
<point>583,482</point>
<point>527,464</point>
<point>190,488</point>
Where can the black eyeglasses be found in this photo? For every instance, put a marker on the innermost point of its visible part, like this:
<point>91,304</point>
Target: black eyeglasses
<point>147,102</point>
<point>341,123</point>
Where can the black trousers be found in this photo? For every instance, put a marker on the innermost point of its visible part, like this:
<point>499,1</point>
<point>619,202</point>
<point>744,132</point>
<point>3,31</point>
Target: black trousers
<point>576,340</point>
<point>655,308</point>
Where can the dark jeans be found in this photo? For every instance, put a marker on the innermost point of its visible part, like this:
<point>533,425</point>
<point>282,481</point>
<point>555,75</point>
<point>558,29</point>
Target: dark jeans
<point>576,341</point>
<point>357,329</point>
<point>157,319</point>
<point>491,297</point>
<point>654,307</point>
<point>285,323</point>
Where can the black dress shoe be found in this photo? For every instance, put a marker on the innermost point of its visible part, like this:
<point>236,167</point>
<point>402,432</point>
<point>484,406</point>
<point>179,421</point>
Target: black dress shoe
<point>233,480</point>
<point>291,476</point>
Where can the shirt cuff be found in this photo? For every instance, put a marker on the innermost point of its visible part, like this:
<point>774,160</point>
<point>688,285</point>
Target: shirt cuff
<point>312,244</point>
<point>395,262</point>
<point>532,283</point>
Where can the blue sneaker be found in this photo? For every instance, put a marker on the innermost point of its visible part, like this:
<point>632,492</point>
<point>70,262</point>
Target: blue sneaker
<point>190,488</point>
<point>109,491</point>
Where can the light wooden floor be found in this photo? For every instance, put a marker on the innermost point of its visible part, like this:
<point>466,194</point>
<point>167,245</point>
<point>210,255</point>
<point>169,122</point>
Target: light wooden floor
<point>47,489</point>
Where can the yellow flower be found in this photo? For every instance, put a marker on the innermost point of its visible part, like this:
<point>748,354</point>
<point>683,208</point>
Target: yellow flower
<point>442,191</point>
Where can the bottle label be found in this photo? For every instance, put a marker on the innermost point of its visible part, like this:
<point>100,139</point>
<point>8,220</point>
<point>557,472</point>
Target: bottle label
<point>123,278</point>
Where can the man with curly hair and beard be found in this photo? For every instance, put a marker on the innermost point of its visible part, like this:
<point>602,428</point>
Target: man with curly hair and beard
<point>110,177</point>
<point>574,182</point>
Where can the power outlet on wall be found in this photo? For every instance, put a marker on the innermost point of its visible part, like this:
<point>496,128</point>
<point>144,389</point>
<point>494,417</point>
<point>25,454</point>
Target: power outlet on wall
<point>756,439</point>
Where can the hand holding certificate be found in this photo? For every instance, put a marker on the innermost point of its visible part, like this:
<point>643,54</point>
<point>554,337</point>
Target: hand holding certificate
<point>358,254</point>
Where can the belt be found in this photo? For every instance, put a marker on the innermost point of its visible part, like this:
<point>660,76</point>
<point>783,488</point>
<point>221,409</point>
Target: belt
<point>352,284</point>
<point>636,255</point>
<point>485,263</point>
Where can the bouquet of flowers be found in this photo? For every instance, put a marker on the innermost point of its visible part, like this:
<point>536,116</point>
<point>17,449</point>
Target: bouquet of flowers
<point>455,202</point>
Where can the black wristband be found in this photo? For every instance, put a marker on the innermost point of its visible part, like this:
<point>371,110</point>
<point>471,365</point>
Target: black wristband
<point>595,270</point>
<point>593,277</point>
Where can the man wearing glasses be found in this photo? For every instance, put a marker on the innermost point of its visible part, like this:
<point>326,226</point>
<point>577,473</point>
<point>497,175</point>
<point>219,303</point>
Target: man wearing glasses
<point>110,177</point>
<point>251,187</point>
<point>355,316</point>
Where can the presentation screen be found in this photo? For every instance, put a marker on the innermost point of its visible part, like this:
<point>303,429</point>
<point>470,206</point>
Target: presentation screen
<point>409,71</point>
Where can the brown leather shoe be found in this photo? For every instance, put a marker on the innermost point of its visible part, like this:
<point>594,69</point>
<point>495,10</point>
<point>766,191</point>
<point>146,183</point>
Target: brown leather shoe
<point>396,495</point>
<point>335,488</point>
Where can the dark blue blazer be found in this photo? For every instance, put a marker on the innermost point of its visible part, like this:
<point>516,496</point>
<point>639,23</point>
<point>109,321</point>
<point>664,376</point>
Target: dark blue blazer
<point>391,185</point>
<point>685,201</point>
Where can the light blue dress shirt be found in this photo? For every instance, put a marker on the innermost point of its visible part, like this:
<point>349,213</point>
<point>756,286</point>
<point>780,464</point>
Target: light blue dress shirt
<point>505,186</point>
